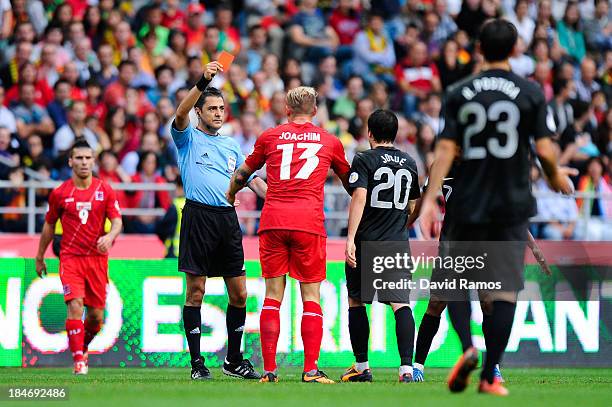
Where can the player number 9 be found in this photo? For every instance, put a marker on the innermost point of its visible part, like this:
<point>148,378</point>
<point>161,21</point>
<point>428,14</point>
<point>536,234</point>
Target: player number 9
<point>83,215</point>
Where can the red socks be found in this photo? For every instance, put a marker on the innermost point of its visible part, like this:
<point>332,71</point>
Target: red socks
<point>312,334</point>
<point>269,327</point>
<point>76,337</point>
<point>91,330</point>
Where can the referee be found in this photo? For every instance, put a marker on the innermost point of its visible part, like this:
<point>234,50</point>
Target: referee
<point>210,238</point>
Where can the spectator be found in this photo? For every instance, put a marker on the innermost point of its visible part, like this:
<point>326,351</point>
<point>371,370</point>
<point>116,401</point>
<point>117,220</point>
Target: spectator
<point>425,140</point>
<point>14,197</point>
<point>277,114</point>
<point>121,41</point>
<point>570,34</point>
<point>75,128</point>
<point>311,38</point>
<point>254,54</point>
<point>55,36</point>
<point>27,74</point>
<point>542,76</point>
<point>31,118</point>
<point>345,20</point>
<point>541,53</point>
<point>147,172</point>
<point>165,84</point>
<point>249,131</point>
<point>598,30</point>
<point>449,67</point>
<point>48,68</point>
<point>153,29</point>
<point>446,26</point>
<point>521,64</point>
<point>346,104</point>
<point>417,77</point>
<point>521,20</point>
<point>84,58</point>
<point>8,159</point>
<point>273,82</point>
<point>587,85</point>
<point>114,95</point>
<point>229,36</point>
<point>212,41</point>
<point>94,26</point>
<point>373,54</point>
<point>35,154</point>
<point>7,118</point>
<point>471,17</point>
<point>93,102</point>
<point>110,171</point>
<point>559,108</point>
<point>24,32</point>
<point>559,213</point>
<point>578,141</point>
<point>603,136</point>
<point>9,72</point>
<point>430,115</point>
<point>6,16</point>
<point>149,142</point>
<point>176,54</point>
<point>405,141</point>
<point>58,107</point>
<point>124,134</point>
<point>106,73</point>
<point>71,74</point>
<point>173,16</point>
<point>596,209</point>
<point>194,28</point>
<point>358,125</point>
<point>379,94</point>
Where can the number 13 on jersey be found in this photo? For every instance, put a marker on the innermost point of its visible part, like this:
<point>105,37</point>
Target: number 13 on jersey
<point>309,155</point>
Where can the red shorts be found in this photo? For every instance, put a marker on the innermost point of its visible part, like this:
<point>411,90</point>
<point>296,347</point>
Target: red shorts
<point>301,254</point>
<point>85,277</point>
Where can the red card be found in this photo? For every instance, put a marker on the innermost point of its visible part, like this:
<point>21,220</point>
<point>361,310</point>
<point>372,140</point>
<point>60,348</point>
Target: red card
<point>225,59</point>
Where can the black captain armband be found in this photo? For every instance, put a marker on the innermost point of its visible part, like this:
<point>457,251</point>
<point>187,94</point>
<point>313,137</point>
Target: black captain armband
<point>203,83</point>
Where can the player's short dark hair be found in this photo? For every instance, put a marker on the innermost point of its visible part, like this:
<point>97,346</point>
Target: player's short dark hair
<point>383,125</point>
<point>497,40</point>
<point>208,92</point>
<point>79,143</point>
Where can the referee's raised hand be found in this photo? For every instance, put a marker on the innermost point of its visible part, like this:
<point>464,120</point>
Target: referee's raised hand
<point>211,69</point>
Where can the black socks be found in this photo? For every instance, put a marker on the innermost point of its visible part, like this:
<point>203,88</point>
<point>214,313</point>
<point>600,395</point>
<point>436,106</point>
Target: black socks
<point>359,330</point>
<point>234,319</point>
<point>192,322</point>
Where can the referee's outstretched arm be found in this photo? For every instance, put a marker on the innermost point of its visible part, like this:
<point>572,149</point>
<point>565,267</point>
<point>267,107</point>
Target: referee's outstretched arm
<point>182,112</point>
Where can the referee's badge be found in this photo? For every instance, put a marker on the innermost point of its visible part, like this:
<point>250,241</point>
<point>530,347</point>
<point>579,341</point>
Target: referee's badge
<point>231,164</point>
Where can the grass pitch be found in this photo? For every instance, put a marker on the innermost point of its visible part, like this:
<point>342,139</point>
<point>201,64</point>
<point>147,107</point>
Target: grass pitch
<point>117,387</point>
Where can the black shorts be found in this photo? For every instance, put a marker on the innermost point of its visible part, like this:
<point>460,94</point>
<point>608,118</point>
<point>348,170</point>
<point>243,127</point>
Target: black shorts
<point>357,277</point>
<point>210,241</point>
<point>502,247</point>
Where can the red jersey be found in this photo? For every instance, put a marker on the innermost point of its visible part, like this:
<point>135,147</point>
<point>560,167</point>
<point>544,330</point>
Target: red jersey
<point>83,213</point>
<point>298,158</point>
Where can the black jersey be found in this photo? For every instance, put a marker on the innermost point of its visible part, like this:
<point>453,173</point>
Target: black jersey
<point>492,116</point>
<point>391,179</point>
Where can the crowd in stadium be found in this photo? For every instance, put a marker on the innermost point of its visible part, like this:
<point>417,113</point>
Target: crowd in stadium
<point>113,72</point>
